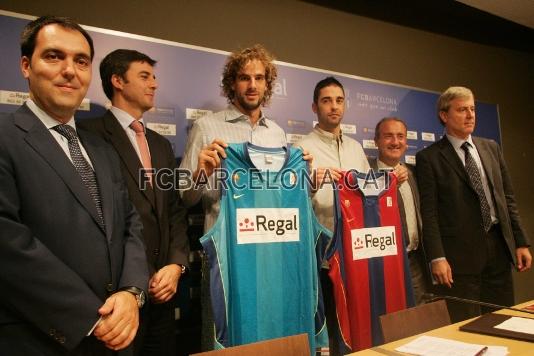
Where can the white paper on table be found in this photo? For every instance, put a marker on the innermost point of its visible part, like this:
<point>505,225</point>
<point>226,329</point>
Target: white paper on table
<point>437,346</point>
<point>496,351</point>
<point>520,325</point>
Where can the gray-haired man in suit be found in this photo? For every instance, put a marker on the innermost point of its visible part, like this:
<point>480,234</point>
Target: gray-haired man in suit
<point>471,226</point>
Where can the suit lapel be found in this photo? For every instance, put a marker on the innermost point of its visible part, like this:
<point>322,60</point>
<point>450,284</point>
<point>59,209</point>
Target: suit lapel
<point>158,162</point>
<point>42,141</point>
<point>486,159</point>
<point>103,177</point>
<point>415,193</point>
<point>126,152</point>
<point>450,155</point>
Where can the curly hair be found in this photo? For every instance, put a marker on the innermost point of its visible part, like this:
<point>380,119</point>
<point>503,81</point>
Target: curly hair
<point>237,60</point>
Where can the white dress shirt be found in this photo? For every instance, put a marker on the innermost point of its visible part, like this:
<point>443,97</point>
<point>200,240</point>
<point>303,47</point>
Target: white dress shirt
<point>457,144</point>
<point>50,122</point>
<point>125,120</point>
<point>409,209</point>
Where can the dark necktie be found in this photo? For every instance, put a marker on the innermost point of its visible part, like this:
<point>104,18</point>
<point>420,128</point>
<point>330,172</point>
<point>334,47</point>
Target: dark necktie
<point>474,175</point>
<point>82,166</point>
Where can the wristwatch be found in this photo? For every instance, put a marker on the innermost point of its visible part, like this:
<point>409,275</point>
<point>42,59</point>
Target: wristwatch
<point>183,268</point>
<point>138,293</point>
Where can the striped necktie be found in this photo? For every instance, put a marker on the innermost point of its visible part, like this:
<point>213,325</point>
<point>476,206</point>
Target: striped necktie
<point>82,167</point>
<point>474,175</point>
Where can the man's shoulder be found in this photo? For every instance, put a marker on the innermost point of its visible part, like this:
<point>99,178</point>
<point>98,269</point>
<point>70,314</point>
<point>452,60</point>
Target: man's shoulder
<point>6,119</point>
<point>308,141</point>
<point>272,121</point>
<point>155,136</point>
<point>212,116</point>
<point>7,129</point>
<point>14,123</point>
<point>351,141</point>
<point>434,148</point>
<point>93,123</point>
<point>482,141</point>
<point>92,137</point>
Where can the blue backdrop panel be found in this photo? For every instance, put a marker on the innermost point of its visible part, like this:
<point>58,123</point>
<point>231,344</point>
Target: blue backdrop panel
<point>189,78</point>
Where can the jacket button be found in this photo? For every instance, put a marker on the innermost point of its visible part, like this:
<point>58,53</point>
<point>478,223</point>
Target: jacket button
<point>109,287</point>
<point>156,251</point>
<point>62,339</point>
<point>52,332</point>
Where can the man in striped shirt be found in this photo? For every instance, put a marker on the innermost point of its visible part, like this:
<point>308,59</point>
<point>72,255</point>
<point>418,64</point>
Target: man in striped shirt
<point>248,80</point>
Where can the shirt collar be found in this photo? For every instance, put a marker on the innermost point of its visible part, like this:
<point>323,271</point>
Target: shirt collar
<point>328,136</point>
<point>458,142</point>
<point>46,119</point>
<point>382,165</point>
<point>233,114</point>
<point>125,119</point>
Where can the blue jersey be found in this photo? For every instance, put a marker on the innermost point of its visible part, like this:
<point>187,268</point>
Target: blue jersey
<point>265,250</point>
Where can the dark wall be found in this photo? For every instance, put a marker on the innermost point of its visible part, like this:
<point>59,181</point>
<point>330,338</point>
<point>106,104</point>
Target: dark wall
<point>315,36</point>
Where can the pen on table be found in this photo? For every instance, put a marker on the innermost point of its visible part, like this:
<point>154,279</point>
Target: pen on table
<point>482,352</point>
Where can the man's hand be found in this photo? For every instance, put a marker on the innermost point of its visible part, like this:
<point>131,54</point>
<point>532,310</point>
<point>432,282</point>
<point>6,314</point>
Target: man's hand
<point>401,172</point>
<point>209,158</point>
<point>307,156</point>
<point>524,259</point>
<point>442,272</point>
<point>164,283</point>
<point>324,175</point>
<point>120,320</point>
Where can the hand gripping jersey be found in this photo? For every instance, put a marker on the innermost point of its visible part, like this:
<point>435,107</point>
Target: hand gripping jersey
<point>265,250</point>
<point>368,263</point>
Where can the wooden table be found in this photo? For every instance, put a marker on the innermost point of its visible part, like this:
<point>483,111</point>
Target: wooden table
<point>515,347</point>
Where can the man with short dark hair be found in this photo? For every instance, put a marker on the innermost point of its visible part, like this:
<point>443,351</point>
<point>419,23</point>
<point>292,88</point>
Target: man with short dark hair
<point>332,152</point>
<point>471,226</point>
<point>129,82</point>
<point>331,149</point>
<point>73,265</point>
<point>391,141</point>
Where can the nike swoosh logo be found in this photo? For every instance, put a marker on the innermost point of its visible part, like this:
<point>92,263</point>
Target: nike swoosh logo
<point>238,196</point>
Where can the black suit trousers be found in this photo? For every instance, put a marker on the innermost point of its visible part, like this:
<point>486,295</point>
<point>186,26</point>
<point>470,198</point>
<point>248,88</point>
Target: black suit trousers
<point>493,285</point>
<point>155,336</point>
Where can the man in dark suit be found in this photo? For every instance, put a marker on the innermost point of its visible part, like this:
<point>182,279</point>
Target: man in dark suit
<point>129,82</point>
<point>73,265</point>
<point>391,139</point>
<point>471,226</point>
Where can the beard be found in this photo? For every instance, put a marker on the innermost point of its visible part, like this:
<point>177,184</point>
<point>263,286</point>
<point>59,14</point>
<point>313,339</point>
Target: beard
<point>249,105</point>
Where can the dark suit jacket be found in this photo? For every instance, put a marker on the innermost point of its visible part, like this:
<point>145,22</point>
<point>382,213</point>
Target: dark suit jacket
<point>162,213</point>
<point>450,208</point>
<point>58,265</point>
